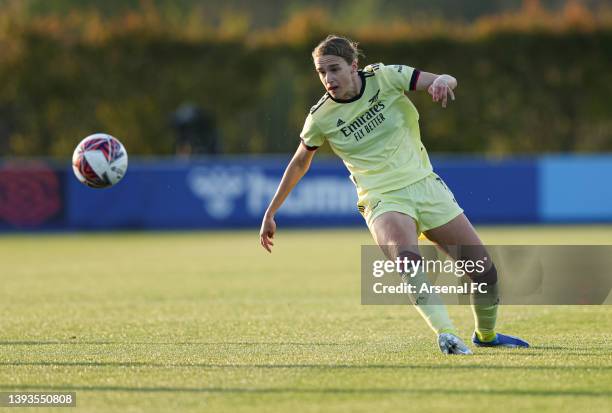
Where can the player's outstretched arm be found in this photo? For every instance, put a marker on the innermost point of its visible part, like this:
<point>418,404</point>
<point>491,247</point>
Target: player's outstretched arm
<point>297,168</point>
<point>440,87</point>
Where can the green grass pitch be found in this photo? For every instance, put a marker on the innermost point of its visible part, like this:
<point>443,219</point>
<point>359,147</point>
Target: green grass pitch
<point>207,321</point>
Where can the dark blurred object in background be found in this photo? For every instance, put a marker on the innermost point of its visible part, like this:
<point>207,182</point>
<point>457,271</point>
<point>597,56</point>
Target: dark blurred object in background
<point>196,131</point>
<point>5,130</point>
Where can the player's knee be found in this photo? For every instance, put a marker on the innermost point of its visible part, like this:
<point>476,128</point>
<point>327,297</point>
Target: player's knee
<point>488,276</point>
<point>409,259</point>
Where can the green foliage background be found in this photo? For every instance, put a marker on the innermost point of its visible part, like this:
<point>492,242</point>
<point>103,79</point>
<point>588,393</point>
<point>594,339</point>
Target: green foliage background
<point>537,88</point>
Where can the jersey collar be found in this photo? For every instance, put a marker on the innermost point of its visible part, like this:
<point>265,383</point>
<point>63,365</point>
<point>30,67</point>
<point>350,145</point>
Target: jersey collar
<point>356,97</point>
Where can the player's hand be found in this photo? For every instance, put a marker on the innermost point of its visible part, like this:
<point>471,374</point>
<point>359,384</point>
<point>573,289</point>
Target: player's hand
<point>440,91</point>
<point>266,233</point>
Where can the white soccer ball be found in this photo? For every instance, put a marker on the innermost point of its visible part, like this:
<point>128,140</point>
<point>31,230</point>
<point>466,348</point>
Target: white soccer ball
<point>99,161</point>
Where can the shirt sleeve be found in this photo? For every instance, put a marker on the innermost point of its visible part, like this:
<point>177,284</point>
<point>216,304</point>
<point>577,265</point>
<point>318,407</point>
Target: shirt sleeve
<point>400,76</point>
<point>311,136</point>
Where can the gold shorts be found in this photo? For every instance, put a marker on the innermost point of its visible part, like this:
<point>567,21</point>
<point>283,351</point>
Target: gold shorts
<point>428,201</point>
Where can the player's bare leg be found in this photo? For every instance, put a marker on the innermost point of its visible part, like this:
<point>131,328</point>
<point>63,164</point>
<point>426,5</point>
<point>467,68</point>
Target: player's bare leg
<point>396,234</point>
<point>459,231</point>
<point>460,241</point>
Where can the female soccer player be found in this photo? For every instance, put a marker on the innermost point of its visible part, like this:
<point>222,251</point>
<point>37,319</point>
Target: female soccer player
<point>373,127</point>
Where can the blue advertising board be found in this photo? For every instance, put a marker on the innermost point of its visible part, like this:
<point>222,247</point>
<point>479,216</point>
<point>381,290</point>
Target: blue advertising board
<point>224,193</point>
<point>493,191</point>
<point>233,192</point>
<point>575,188</point>
<point>213,193</point>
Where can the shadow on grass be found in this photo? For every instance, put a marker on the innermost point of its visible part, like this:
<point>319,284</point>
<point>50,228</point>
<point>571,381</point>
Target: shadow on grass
<point>591,350</point>
<point>322,391</point>
<point>526,353</point>
<point>453,367</point>
<point>545,351</point>
<point>565,348</point>
<point>153,343</point>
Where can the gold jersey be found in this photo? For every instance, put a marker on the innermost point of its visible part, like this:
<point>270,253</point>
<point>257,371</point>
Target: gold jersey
<point>376,133</point>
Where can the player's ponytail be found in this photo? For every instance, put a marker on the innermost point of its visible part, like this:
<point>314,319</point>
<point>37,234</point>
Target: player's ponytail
<point>338,46</point>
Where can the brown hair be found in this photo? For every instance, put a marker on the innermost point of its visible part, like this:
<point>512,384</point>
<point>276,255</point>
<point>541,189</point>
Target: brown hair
<point>338,46</point>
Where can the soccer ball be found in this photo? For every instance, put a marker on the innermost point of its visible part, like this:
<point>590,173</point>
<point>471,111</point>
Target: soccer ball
<point>99,161</point>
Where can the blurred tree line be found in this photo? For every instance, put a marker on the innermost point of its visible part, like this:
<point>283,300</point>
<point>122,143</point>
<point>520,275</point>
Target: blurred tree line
<point>271,13</point>
<point>530,80</point>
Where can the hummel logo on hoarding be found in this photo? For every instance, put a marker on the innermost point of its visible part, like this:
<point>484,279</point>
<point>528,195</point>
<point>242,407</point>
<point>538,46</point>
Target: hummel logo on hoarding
<point>374,98</point>
<point>340,122</point>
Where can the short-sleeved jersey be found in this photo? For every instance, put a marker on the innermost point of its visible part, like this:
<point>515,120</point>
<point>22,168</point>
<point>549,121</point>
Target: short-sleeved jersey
<point>376,133</point>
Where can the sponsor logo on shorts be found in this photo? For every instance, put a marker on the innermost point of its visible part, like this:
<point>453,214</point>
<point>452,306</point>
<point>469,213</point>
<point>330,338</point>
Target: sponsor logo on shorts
<point>362,208</point>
